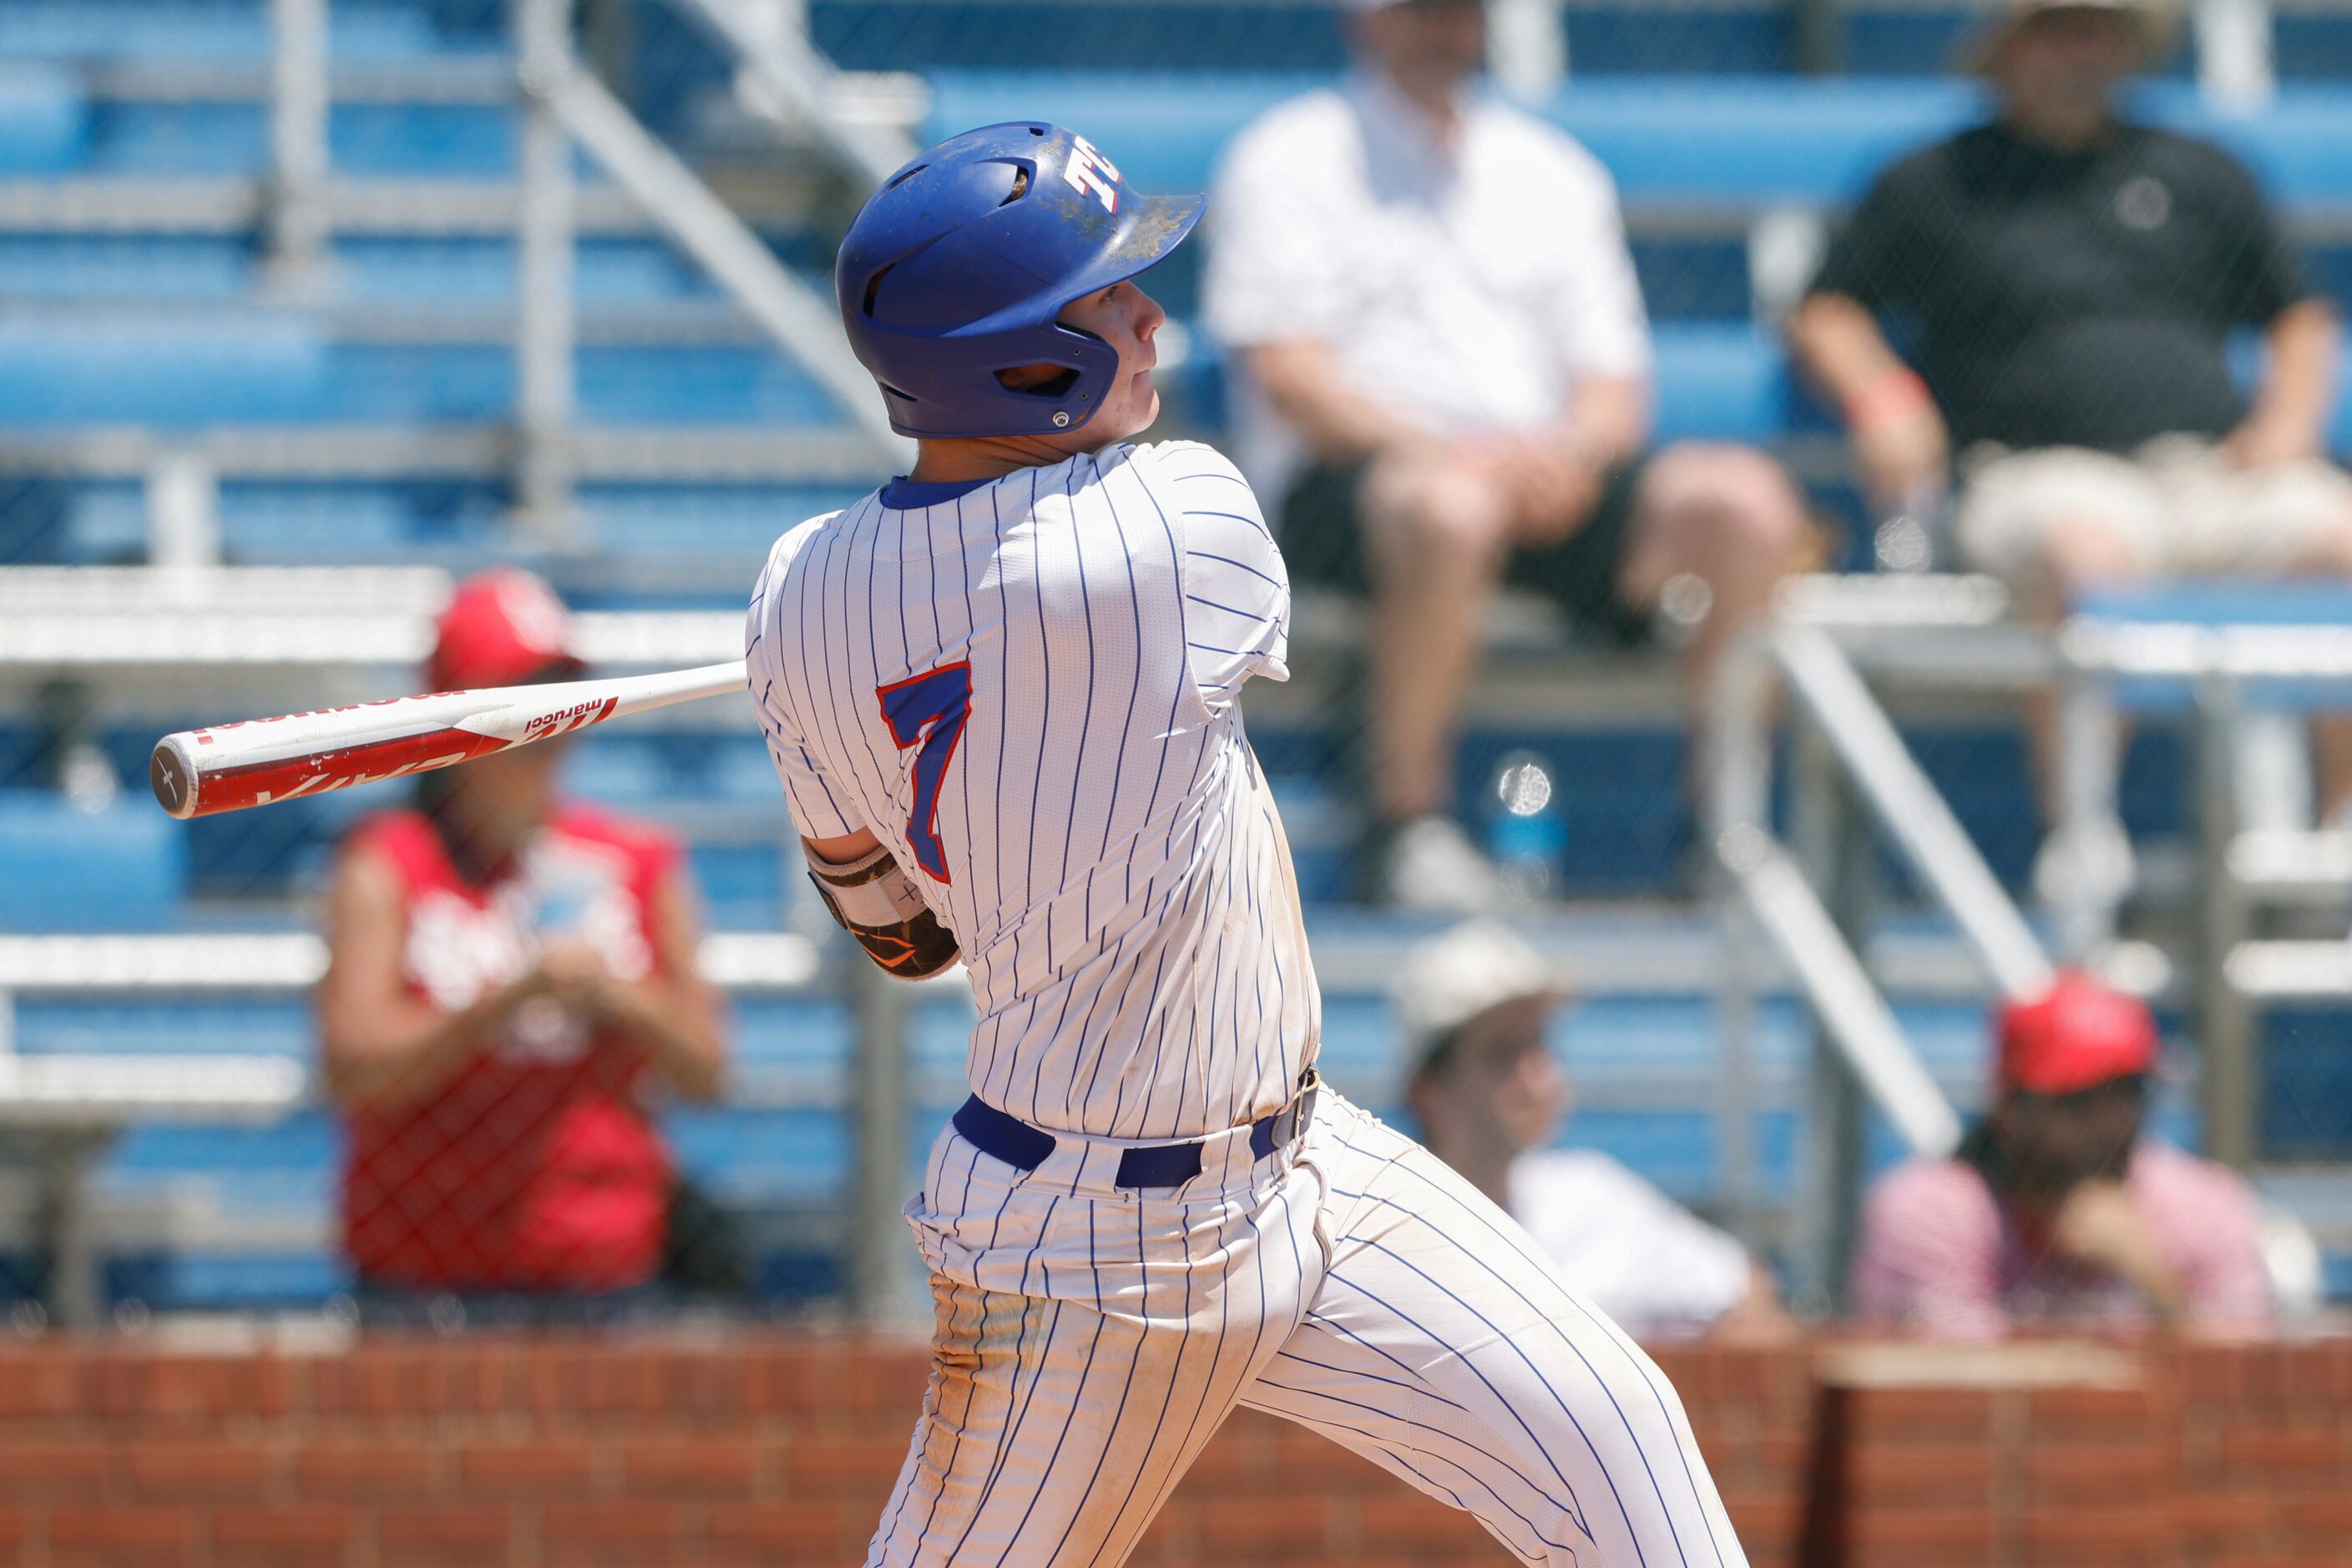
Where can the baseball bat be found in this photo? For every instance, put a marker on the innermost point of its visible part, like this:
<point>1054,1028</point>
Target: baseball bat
<point>228,767</point>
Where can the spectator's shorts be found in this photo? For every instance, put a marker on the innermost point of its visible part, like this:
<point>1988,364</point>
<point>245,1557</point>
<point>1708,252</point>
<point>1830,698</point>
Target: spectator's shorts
<point>1322,541</point>
<point>2184,508</point>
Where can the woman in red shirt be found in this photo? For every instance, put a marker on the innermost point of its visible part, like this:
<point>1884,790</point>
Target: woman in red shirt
<point>510,978</point>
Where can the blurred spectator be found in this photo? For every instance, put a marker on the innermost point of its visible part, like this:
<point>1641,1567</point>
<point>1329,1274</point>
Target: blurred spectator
<point>2073,279</point>
<point>1490,1096</point>
<point>511,977</point>
<point>1446,373</point>
<point>2055,1211</point>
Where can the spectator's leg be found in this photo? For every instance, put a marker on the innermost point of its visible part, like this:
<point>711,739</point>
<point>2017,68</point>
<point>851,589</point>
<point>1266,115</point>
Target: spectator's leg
<point>2078,550</point>
<point>1436,537</point>
<point>1727,516</point>
<point>2329,554</point>
<point>2052,523</point>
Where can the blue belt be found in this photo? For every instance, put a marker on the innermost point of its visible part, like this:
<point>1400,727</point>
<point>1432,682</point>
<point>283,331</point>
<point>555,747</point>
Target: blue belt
<point>1008,1138</point>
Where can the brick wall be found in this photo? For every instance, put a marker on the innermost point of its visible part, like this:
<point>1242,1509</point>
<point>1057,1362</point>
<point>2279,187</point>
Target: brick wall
<point>779,1448</point>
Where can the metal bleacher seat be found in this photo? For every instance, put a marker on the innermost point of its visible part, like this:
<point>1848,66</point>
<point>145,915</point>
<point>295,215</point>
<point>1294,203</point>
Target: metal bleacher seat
<point>95,101</point>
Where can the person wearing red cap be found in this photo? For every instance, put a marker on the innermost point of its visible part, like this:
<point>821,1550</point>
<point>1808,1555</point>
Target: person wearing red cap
<point>511,979</point>
<point>2056,1211</point>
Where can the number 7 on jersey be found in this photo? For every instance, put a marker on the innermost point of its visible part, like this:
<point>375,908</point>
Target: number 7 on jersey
<point>927,711</point>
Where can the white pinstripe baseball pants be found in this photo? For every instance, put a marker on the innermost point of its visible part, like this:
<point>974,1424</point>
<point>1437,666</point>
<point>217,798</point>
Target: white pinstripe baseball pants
<point>1090,1341</point>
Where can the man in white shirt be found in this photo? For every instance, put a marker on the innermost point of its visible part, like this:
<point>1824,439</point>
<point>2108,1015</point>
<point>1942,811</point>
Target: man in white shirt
<point>1444,382</point>
<point>1481,1079</point>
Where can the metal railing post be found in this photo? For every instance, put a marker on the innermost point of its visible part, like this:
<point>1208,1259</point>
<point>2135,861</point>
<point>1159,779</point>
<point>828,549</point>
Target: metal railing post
<point>2225,1020</point>
<point>298,218</point>
<point>2237,68</point>
<point>1917,820</point>
<point>1526,48</point>
<point>1830,840</point>
<point>1739,792</point>
<point>544,330</point>
<point>880,1254</point>
<point>2090,752</point>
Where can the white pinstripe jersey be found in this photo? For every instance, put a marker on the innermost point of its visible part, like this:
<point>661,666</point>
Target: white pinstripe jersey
<point>1027,691</point>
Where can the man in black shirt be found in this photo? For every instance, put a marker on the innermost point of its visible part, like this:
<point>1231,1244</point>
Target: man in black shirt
<point>2072,281</point>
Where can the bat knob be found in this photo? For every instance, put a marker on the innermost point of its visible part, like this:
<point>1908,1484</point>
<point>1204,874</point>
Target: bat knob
<point>171,779</point>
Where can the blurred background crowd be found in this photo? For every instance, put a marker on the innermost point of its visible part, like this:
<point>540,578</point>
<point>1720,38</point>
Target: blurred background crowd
<point>1815,752</point>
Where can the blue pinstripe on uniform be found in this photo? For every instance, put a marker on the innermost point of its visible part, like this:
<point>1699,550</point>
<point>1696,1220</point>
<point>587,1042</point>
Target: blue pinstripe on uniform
<point>1120,885</point>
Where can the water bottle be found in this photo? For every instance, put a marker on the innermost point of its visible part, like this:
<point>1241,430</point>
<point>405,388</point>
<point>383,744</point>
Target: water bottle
<point>1525,832</point>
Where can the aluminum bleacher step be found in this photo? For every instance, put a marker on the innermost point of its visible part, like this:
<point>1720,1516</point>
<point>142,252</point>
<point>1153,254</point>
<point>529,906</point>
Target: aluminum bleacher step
<point>2284,866</point>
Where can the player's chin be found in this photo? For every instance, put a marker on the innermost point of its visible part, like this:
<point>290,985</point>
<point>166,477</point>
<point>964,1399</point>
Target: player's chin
<point>1130,413</point>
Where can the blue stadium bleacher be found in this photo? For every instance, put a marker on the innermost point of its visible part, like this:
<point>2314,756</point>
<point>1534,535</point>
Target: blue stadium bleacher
<point>44,123</point>
<point>1690,106</point>
<point>121,867</point>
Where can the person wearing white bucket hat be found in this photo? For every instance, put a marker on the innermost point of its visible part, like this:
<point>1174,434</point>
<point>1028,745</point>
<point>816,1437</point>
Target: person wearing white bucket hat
<point>1489,1095</point>
<point>2074,279</point>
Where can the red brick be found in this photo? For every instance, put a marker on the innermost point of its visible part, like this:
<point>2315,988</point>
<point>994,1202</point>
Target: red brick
<point>42,1379</point>
<point>49,1467</point>
<point>200,1471</point>
<point>784,1526</point>
<point>2086,1528</point>
<point>888,1382</point>
<point>2077,1415</point>
<point>13,1531</point>
<point>2223,1519</point>
<point>2322,1519</point>
<point>1765,1524</point>
<point>446,1533</point>
<point>1263,1526</point>
<point>2277,1454</point>
<point>822,1464</point>
<point>1396,1520</point>
<point>2098,1473</point>
<point>1302,1459</point>
<point>365,1468</point>
<point>1876,1416</point>
<point>1929,1532</point>
<point>304,1533</point>
<point>378,1376</point>
<point>1780,1456</point>
<point>526,1469</point>
<point>152,1387</point>
<point>634,1528</point>
<point>1236,1456</point>
<point>1954,1473</point>
<point>143,1535</point>
<point>727,1466</point>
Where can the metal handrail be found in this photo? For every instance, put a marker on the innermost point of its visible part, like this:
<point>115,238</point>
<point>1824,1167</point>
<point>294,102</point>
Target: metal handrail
<point>1908,807</point>
<point>1794,917</point>
<point>806,85</point>
<point>806,326</point>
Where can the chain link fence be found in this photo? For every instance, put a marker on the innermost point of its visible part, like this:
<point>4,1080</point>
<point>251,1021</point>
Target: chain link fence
<point>283,285</point>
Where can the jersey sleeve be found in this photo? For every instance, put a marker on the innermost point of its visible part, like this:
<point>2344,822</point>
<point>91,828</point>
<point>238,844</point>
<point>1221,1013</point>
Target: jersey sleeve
<point>1237,588</point>
<point>1603,328</point>
<point>821,807</point>
<point>2258,275</point>
<point>1875,258</point>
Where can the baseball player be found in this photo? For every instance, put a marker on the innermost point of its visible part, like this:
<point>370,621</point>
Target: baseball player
<point>1002,694</point>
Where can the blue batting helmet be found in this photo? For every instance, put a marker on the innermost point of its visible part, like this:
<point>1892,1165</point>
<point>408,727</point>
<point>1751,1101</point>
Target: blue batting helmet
<point>956,267</point>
